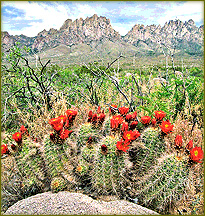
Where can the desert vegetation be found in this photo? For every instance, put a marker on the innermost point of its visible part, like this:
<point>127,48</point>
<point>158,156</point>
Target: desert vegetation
<point>108,131</point>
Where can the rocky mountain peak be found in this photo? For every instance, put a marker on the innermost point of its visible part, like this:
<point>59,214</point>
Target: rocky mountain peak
<point>93,28</point>
<point>190,22</point>
<point>66,24</point>
<point>94,17</point>
<point>173,32</point>
<point>42,33</point>
<point>6,39</point>
<point>96,29</point>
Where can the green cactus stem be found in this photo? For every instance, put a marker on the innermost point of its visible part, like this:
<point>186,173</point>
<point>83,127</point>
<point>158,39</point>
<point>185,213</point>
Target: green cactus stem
<point>164,184</point>
<point>144,153</point>
<point>109,167</point>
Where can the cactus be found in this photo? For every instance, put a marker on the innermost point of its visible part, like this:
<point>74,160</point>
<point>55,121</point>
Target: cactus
<point>106,127</point>
<point>145,155</point>
<point>142,168</point>
<point>57,159</point>
<point>151,138</point>
<point>31,166</point>
<point>107,176</point>
<point>58,184</point>
<point>87,130</point>
<point>164,183</point>
<point>85,166</point>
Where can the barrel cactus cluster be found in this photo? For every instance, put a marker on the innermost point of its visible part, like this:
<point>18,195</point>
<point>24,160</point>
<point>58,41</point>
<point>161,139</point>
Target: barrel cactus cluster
<point>117,153</point>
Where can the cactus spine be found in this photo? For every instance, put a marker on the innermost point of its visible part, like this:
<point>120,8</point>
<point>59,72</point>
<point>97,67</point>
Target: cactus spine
<point>107,177</point>
<point>87,130</point>
<point>57,159</point>
<point>145,155</point>
<point>166,182</point>
<point>31,166</point>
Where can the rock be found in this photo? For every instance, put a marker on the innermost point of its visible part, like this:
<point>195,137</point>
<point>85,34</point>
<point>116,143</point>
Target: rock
<point>74,203</point>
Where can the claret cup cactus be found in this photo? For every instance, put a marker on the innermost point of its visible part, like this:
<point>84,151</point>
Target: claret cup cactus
<point>122,154</point>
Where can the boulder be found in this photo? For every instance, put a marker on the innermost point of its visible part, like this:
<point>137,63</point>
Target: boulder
<point>74,203</point>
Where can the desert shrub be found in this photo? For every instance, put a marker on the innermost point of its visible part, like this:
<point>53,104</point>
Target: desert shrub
<point>23,85</point>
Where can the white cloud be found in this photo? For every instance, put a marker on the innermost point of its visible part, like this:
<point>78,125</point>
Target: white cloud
<point>49,16</point>
<point>184,12</point>
<point>46,16</point>
<point>130,11</point>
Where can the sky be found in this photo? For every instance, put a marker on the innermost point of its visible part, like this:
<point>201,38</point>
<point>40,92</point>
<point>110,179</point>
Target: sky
<point>31,17</point>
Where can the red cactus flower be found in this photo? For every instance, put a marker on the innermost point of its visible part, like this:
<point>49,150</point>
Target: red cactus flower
<point>54,121</point>
<point>111,110</point>
<point>71,118</point>
<point>154,122</point>
<point>65,134</point>
<point>166,127</point>
<point>99,110</point>
<point>134,115</point>
<point>189,146</point>
<point>178,141</point>
<point>23,130</point>
<point>123,110</point>
<point>128,117</point>
<point>4,149</point>
<point>123,145</point>
<point>146,120</point>
<point>52,137</point>
<point>63,118</point>
<point>90,114</point>
<point>136,134</point>
<point>196,154</point>
<point>116,121</point>
<point>159,115</point>
<point>131,135</point>
<point>72,113</point>
<point>94,118</point>
<point>13,147</point>
<point>79,168</point>
<point>17,137</point>
<point>67,124</point>
<point>128,135</point>
<point>90,139</point>
<point>124,127</point>
<point>89,119</point>
<point>58,127</point>
<point>102,117</point>
<point>133,125</point>
<point>104,149</point>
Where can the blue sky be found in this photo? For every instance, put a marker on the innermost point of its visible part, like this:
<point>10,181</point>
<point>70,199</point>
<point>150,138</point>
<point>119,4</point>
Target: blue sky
<point>29,18</point>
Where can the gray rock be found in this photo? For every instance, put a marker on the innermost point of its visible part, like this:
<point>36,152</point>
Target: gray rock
<point>74,204</point>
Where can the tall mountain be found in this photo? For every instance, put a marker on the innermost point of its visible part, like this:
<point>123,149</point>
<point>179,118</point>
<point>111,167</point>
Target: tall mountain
<point>175,34</point>
<point>96,31</point>
<point>71,32</point>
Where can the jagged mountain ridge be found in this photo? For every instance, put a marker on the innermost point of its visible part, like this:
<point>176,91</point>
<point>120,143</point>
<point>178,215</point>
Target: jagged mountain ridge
<point>96,30</point>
